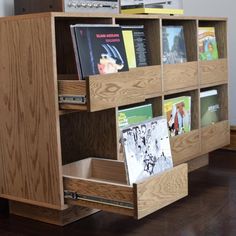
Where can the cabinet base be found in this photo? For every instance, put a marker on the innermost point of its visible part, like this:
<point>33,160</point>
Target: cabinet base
<point>51,216</point>
<point>198,162</point>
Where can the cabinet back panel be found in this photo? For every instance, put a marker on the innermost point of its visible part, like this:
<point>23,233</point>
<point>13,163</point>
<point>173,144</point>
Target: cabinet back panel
<point>88,134</point>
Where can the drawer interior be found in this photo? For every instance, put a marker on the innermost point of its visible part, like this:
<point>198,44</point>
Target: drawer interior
<point>102,184</point>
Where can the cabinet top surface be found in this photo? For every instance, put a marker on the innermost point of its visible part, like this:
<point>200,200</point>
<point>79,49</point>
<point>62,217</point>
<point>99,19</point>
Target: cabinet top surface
<point>119,16</point>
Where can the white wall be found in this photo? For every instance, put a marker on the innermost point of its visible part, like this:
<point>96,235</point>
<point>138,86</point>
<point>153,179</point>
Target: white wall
<point>224,9</point>
<point>196,8</point>
<point>6,7</point>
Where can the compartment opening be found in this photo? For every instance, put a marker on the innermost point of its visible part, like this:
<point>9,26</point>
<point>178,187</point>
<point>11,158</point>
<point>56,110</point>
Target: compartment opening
<point>220,34</point>
<point>152,34</point>
<point>190,36</point>
<point>214,104</point>
<point>189,102</point>
<point>66,63</point>
<point>86,134</point>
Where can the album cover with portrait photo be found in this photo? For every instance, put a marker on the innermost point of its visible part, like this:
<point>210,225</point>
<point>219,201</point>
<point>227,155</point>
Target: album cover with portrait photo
<point>147,149</point>
<point>99,49</point>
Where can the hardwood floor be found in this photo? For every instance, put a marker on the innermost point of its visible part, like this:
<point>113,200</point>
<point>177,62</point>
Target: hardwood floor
<point>210,209</point>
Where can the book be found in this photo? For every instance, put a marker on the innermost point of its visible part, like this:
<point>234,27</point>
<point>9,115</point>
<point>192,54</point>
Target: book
<point>210,107</point>
<point>135,45</point>
<point>147,149</point>
<point>178,113</point>
<point>99,49</point>
<point>207,44</point>
<point>134,115</point>
<point>174,50</point>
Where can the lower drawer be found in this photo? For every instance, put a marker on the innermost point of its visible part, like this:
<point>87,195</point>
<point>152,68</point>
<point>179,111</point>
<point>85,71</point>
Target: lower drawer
<point>215,136</point>
<point>185,147</point>
<point>101,184</point>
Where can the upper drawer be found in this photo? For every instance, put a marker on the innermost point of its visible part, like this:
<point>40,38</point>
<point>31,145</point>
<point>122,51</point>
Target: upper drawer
<point>111,90</point>
<point>213,72</point>
<point>180,76</point>
<point>215,136</point>
<point>185,147</point>
<point>101,184</point>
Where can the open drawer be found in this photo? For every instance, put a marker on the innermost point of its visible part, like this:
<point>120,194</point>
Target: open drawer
<point>102,184</point>
<point>99,92</point>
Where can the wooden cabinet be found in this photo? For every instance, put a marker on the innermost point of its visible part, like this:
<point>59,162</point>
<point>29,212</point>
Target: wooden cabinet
<point>42,140</point>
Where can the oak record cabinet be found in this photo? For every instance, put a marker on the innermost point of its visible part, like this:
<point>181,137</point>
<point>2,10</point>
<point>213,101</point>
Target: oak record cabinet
<point>42,141</point>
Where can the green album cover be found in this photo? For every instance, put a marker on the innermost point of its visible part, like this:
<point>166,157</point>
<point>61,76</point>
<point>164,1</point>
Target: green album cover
<point>210,108</point>
<point>134,115</point>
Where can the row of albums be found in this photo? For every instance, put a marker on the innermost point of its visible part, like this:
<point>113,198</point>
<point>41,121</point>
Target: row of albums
<point>152,28</point>
<point>204,122</point>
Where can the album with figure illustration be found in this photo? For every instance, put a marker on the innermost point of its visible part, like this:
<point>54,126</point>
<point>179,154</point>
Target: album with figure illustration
<point>99,49</point>
<point>147,149</point>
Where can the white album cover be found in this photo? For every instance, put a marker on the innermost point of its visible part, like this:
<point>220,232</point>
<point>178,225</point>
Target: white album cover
<point>147,149</point>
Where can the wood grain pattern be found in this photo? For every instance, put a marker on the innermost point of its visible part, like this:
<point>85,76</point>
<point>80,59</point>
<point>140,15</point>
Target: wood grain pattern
<point>213,71</point>
<point>96,168</point>
<point>72,87</point>
<point>152,30</point>
<point>161,190</point>
<point>109,170</point>
<point>123,88</point>
<point>35,51</point>
<point>232,145</point>
<point>81,169</point>
<point>190,37</point>
<point>176,76</point>
<point>215,136</point>
<point>88,134</point>
<point>221,37</point>
<point>72,107</point>
<point>51,216</point>
<point>223,100</point>
<point>185,147</point>
<point>30,146</point>
<point>100,189</point>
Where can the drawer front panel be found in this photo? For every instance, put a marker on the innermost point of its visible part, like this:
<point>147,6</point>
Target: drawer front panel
<point>215,136</point>
<point>213,71</point>
<point>185,147</point>
<point>111,90</point>
<point>138,200</point>
<point>161,190</point>
<point>179,76</point>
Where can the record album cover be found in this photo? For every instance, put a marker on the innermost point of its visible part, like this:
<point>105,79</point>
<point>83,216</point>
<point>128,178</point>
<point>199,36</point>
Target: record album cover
<point>99,49</point>
<point>147,149</point>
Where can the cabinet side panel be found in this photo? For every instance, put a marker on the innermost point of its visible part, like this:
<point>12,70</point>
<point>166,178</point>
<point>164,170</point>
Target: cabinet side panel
<point>29,150</point>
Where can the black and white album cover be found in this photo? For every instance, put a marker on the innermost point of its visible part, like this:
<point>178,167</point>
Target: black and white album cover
<point>147,149</point>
